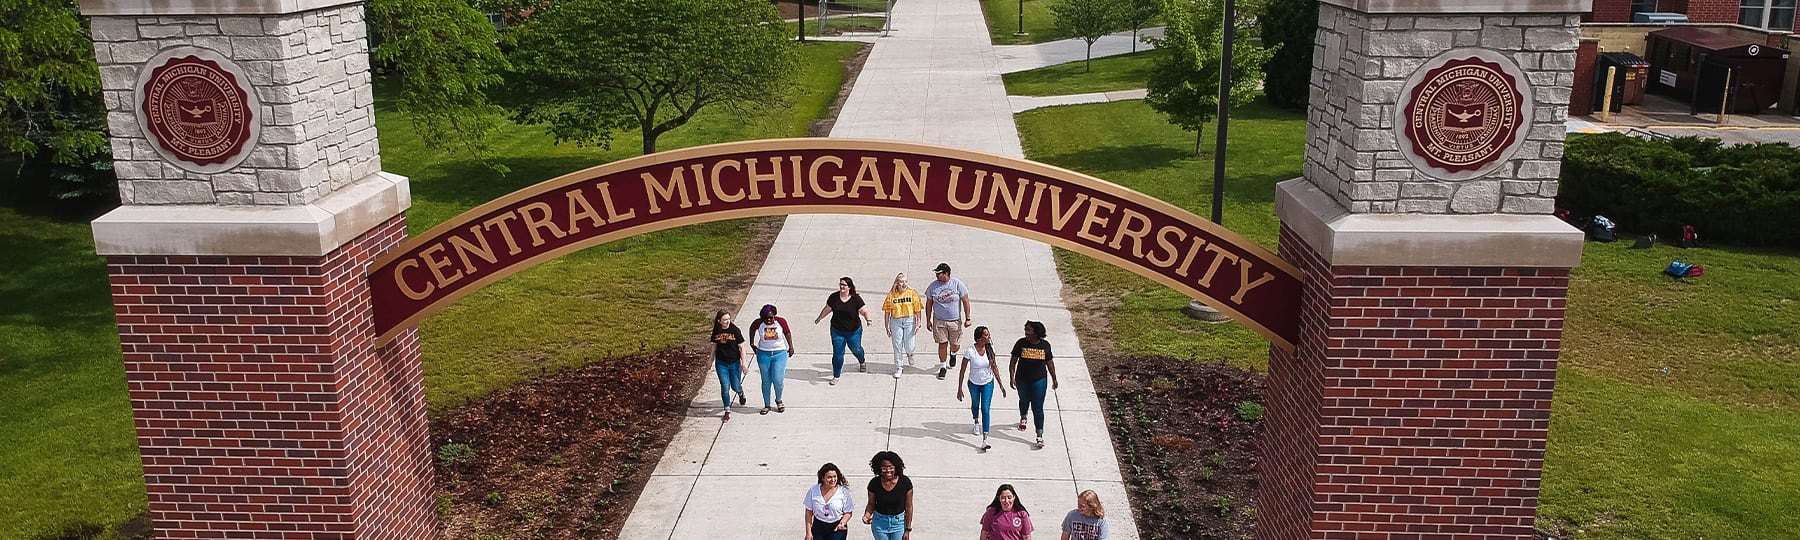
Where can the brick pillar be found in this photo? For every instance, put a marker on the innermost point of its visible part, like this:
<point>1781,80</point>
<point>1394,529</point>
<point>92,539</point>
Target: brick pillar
<point>1581,95</point>
<point>244,141</point>
<point>1416,403</point>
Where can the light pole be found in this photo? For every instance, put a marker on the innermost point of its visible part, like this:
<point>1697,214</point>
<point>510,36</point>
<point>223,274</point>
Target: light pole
<point>1194,308</point>
<point>1021,31</point>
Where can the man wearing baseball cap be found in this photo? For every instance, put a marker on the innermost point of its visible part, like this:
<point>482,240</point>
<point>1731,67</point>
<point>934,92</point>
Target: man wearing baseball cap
<point>947,306</point>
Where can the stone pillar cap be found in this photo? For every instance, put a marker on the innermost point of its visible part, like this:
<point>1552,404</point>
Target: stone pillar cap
<point>1487,240</point>
<point>205,7</point>
<point>1458,7</point>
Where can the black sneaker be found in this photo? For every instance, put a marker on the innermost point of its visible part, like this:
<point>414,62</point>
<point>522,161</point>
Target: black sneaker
<point>941,372</point>
<point>952,361</point>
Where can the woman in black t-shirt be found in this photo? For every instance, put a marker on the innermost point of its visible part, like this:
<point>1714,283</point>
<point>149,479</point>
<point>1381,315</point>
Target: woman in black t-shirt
<point>728,359</point>
<point>845,306</point>
<point>889,513</point>
<point>1031,362</point>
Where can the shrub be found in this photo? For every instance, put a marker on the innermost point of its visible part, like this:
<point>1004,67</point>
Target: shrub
<point>1249,411</point>
<point>1744,194</point>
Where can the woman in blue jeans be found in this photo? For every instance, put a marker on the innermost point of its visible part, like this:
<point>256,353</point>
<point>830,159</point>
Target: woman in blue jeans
<point>1031,364</point>
<point>890,511</point>
<point>978,373</point>
<point>845,307</point>
<point>773,343</point>
<point>728,359</point>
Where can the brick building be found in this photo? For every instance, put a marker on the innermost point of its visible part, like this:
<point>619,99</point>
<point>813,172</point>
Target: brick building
<point>1769,14</point>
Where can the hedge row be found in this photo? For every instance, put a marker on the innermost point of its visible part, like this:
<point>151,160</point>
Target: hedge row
<point>1745,194</point>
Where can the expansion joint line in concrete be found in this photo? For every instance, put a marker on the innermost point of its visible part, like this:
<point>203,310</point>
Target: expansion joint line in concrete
<point>696,482</point>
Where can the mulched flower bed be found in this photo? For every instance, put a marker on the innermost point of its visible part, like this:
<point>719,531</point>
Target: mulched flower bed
<point>1185,433</point>
<point>563,456</point>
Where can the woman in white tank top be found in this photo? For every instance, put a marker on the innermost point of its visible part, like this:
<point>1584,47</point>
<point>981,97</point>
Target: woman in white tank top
<point>978,374</point>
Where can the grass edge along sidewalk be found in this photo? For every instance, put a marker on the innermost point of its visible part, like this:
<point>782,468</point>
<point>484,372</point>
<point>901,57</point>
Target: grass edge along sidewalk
<point>1702,449</point>
<point>71,462</point>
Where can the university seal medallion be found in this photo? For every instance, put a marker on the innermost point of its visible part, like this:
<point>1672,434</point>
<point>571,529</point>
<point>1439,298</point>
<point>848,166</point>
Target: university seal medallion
<point>196,109</point>
<point>1463,113</point>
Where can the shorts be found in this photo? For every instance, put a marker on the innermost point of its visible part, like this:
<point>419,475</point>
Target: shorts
<point>943,331</point>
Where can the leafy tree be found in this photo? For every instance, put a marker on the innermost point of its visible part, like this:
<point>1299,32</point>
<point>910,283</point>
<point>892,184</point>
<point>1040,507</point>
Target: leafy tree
<point>443,56</point>
<point>1184,80</point>
<point>1136,14</point>
<point>51,114</point>
<point>588,68</point>
<point>1087,19</point>
<point>1288,30</point>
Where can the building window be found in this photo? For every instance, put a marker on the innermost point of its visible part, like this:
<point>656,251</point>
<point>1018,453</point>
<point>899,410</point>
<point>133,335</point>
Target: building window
<point>1643,6</point>
<point>1771,14</point>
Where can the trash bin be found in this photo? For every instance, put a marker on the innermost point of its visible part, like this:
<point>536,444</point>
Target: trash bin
<point>1628,83</point>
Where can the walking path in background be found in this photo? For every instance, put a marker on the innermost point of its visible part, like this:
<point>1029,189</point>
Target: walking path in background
<point>1027,57</point>
<point>935,80</point>
<point>1025,103</point>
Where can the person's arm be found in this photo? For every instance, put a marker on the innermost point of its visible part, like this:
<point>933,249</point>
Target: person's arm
<point>1050,363</point>
<point>808,526</point>
<point>1012,367</point>
<point>909,515</point>
<point>787,335</point>
<point>962,376</point>
<point>968,319</point>
<point>849,510</point>
<point>822,314</point>
<point>864,311</point>
<point>918,316</point>
<point>1028,529</point>
<point>1065,535</point>
<point>869,513</point>
<point>927,312</point>
<point>887,318</point>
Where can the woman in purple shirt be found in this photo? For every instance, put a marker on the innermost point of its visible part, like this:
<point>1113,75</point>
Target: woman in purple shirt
<point>1006,518</point>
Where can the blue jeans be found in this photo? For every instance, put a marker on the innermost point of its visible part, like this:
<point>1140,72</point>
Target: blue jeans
<point>1031,397</point>
<point>981,399</point>
<point>904,330</point>
<point>731,378</point>
<point>853,339</point>
<point>888,527</point>
<point>773,365</point>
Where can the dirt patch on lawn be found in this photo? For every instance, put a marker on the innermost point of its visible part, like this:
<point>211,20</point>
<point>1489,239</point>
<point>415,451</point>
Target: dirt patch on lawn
<point>1185,433</point>
<point>563,456</point>
<point>852,69</point>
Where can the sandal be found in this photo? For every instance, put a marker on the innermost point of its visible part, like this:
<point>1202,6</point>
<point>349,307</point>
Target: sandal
<point>862,367</point>
<point>779,407</point>
<point>741,400</point>
<point>764,411</point>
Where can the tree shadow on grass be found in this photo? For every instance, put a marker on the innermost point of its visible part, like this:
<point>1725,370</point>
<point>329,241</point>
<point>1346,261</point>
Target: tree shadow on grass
<point>1110,159</point>
<point>470,183</point>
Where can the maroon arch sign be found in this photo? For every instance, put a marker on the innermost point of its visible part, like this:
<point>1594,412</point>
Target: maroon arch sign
<point>1064,208</point>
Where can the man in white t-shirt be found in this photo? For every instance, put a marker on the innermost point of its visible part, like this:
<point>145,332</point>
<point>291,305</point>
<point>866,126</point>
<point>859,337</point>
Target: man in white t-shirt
<point>947,309</point>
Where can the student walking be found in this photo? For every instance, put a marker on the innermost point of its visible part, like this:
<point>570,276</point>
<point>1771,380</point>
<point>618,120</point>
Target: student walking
<point>845,307</point>
<point>890,511</point>
<point>947,303</point>
<point>829,506</point>
<point>978,373</point>
<point>904,311</point>
<point>1087,521</point>
<point>1006,518</point>
<point>1031,361</point>
<point>773,344</point>
<point>728,359</point>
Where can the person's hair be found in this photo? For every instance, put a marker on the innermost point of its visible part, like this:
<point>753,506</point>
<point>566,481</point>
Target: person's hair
<point>832,467</point>
<point>851,282</point>
<point>1036,328</point>
<point>768,312</point>
<point>1093,501</point>
<point>896,286</point>
<point>1018,504</point>
<point>983,331</point>
<point>716,316</point>
<point>890,457</point>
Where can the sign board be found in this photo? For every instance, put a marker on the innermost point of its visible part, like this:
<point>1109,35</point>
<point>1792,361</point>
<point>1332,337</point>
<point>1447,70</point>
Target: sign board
<point>1136,232</point>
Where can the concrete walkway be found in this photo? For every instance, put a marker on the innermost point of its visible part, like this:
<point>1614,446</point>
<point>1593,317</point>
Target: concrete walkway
<point>1027,57</point>
<point>935,82</point>
<point>1025,103</point>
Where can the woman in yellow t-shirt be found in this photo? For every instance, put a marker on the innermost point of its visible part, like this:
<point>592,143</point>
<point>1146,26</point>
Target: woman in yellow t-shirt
<point>905,313</point>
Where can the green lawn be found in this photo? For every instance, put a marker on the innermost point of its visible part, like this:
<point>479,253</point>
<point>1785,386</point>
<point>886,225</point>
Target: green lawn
<point>70,460</point>
<point>1003,21</point>
<point>1110,73</point>
<point>1705,449</point>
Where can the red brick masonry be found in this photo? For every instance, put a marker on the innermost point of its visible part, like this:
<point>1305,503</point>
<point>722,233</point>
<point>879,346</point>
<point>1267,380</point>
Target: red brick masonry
<point>262,410</point>
<point>1416,405</point>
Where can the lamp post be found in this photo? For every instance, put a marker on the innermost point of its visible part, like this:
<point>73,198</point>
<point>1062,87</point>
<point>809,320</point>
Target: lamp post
<point>1194,308</point>
<point>1021,31</point>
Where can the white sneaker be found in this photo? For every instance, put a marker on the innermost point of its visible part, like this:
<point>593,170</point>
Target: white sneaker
<point>975,429</point>
<point>896,375</point>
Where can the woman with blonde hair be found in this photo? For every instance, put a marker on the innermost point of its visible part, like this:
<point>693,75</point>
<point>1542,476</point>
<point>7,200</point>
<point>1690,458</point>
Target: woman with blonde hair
<point>905,313</point>
<point>1087,521</point>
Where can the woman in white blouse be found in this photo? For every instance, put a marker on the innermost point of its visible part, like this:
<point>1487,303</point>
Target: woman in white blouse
<point>978,375</point>
<point>829,506</point>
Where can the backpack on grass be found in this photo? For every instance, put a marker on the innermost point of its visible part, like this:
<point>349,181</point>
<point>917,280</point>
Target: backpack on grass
<point>1600,229</point>
<point>1680,269</point>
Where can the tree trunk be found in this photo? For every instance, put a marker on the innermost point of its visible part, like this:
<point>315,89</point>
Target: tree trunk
<point>1134,39</point>
<point>1089,66</point>
<point>649,135</point>
<point>1199,141</point>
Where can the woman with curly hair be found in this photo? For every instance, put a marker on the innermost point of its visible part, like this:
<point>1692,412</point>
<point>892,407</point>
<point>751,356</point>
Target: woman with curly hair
<point>889,514</point>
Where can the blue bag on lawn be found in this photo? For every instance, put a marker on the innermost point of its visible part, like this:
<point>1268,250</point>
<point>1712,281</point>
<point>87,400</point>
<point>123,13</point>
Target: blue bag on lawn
<point>1678,269</point>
